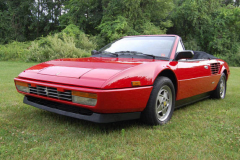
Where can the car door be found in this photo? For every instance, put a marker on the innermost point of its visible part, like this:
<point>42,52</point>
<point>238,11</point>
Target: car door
<point>194,76</point>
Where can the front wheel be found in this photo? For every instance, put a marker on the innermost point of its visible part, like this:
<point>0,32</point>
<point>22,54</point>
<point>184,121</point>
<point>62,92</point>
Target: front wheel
<point>161,103</point>
<point>220,91</point>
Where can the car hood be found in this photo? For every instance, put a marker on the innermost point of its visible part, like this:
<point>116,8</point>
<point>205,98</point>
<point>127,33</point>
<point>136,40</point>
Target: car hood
<point>85,72</point>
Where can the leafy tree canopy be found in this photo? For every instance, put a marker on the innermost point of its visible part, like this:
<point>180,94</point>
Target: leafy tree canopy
<point>209,25</point>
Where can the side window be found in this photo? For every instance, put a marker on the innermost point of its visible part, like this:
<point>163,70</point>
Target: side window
<point>180,47</point>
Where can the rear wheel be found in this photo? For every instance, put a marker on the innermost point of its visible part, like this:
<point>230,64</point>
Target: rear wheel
<point>161,103</point>
<point>220,91</point>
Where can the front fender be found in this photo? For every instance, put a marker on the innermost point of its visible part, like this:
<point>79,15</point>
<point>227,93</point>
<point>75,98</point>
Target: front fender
<point>145,73</point>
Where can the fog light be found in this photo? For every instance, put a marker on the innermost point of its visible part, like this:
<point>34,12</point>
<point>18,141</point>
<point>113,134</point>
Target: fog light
<point>23,87</point>
<point>84,98</point>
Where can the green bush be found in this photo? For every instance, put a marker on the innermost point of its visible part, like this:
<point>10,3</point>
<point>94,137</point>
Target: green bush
<point>14,51</point>
<point>56,46</point>
<point>231,59</point>
<point>85,43</point>
<point>72,30</point>
<point>81,40</point>
<point>70,43</point>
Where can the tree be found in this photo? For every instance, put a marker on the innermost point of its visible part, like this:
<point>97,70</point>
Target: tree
<point>207,25</point>
<point>15,19</point>
<point>134,17</point>
<point>5,30</point>
<point>233,2</point>
<point>86,14</point>
<point>23,20</point>
<point>46,15</point>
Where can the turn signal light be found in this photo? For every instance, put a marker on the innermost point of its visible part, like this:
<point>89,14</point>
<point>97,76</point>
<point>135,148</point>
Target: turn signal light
<point>21,86</point>
<point>84,98</point>
<point>84,94</point>
<point>136,83</point>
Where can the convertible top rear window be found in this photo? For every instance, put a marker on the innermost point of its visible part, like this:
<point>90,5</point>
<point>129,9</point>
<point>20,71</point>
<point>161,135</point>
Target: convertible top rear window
<point>157,46</point>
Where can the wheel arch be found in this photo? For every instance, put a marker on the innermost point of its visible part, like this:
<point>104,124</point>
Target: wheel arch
<point>225,72</point>
<point>224,69</point>
<point>171,75</point>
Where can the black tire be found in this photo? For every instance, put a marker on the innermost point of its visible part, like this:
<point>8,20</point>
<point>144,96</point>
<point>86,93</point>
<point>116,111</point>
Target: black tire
<point>158,103</point>
<point>220,91</point>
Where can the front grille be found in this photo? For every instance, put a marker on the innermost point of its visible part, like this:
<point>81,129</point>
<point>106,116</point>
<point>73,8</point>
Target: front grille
<point>60,106</point>
<point>51,92</point>
<point>215,68</point>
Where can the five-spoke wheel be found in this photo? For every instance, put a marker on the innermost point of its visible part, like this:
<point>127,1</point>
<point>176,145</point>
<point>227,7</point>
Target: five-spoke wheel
<point>161,102</point>
<point>220,91</point>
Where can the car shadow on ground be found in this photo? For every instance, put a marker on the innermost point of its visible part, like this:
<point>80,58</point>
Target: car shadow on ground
<point>105,128</point>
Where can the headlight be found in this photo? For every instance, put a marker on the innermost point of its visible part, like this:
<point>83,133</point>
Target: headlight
<point>84,98</point>
<point>21,86</point>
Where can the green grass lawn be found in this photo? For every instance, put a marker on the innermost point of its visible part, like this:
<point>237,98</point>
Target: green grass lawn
<point>209,129</point>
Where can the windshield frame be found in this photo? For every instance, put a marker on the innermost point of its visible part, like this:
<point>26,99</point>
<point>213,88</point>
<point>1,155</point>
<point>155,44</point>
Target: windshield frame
<point>150,36</point>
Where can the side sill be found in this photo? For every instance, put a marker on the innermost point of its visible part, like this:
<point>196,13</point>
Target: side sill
<point>190,100</point>
<point>94,117</point>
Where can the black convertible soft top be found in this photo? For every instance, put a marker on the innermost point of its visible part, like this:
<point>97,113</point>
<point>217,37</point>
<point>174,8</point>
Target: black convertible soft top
<point>202,55</point>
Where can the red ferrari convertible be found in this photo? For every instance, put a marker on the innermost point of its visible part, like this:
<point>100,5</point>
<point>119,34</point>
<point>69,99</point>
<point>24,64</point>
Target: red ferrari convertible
<point>134,77</point>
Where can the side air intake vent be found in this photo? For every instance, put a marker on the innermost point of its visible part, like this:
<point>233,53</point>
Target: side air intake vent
<point>215,68</point>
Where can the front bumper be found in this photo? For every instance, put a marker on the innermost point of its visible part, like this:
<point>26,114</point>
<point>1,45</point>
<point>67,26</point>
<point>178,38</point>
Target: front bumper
<point>108,100</point>
<point>80,113</point>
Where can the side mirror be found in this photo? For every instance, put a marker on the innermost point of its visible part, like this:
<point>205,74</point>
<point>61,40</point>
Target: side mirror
<point>93,52</point>
<point>187,54</point>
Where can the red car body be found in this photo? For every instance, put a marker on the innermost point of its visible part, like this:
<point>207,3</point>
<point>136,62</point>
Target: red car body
<point>112,79</point>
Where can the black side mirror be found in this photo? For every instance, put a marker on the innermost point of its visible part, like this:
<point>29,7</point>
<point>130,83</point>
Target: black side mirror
<point>93,52</point>
<point>187,54</point>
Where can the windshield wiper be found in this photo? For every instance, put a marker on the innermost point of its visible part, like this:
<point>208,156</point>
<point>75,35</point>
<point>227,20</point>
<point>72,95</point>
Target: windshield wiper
<point>106,52</point>
<point>126,52</point>
<point>137,53</point>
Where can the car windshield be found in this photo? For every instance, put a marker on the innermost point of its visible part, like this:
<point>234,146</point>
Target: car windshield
<point>157,46</point>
